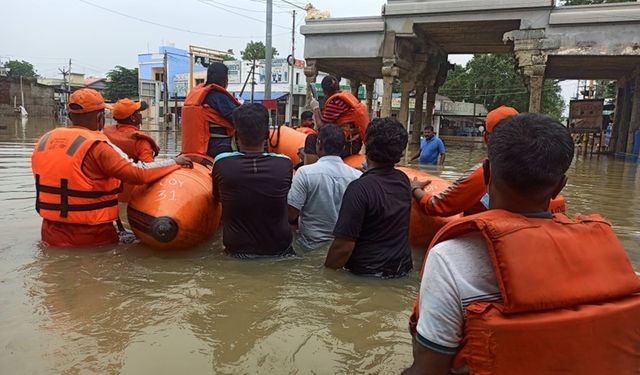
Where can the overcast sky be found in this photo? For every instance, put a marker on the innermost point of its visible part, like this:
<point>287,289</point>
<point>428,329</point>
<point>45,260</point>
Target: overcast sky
<point>113,32</point>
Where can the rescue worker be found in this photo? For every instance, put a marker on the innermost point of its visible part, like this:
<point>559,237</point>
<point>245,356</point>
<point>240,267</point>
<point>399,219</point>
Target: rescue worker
<point>126,134</point>
<point>341,108</point>
<point>207,122</point>
<point>465,194</point>
<point>306,123</point>
<point>519,290</point>
<point>78,174</point>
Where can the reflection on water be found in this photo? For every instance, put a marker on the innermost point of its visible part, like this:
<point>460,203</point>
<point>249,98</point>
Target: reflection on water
<point>132,310</point>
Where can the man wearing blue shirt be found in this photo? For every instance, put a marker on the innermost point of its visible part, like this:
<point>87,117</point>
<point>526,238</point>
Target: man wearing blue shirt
<point>430,148</point>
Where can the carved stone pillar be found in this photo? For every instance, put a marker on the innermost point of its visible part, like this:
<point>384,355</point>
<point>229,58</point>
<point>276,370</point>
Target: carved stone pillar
<point>404,103</point>
<point>431,103</point>
<point>624,101</point>
<point>634,121</point>
<point>311,72</point>
<point>418,117</point>
<point>536,87</point>
<point>389,73</point>
<point>355,86</point>
<point>615,136</point>
<point>369,97</point>
<point>531,54</point>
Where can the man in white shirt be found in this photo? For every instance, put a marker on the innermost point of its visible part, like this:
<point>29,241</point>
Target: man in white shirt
<point>317,189</point>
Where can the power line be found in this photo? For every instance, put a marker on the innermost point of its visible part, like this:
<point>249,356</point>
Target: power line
<point>164,25</point>
<point>236,13</point>
<point>293,5</point>
<point>238,8</point>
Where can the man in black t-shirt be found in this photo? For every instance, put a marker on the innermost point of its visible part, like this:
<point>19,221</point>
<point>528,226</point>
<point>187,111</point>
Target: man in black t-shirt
<point>253,186</point>
<point>372,231</point>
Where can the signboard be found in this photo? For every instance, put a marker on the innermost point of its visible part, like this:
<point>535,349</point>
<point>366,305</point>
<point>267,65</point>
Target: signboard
<point>585,116</point>
<point>279,71</point>
<point>234,71</point>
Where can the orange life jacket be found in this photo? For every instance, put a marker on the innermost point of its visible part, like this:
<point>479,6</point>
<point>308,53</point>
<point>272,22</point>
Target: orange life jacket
<point>307,131</point>
<point>355,122</point>
<point>569,298</point>
<point>63,192</point>
<point>197,117</point>
<point>125,136</point>
<point>464,195</point>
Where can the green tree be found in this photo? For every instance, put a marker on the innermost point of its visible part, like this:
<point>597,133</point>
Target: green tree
<point>256,51</point>
<point>121,83</point>
<point>229,58</point>
<point>493,81</point>
<point>20,69</point>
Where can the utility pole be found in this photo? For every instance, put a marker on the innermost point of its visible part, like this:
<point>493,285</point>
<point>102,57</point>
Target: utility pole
<point>269,52</point>
<point>166,91</point>
<point>69,81</point>
<point>293,69</point>
<point>253,80</point>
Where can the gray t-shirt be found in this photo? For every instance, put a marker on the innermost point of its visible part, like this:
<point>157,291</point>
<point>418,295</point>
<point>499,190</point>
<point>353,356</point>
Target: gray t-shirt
<point>317,191</point>
<point>458,272</point>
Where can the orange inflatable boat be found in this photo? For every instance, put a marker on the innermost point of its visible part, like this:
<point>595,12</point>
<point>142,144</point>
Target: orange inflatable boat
<point>287,141</point>
<point>422,227</point>
<point>178,210</point>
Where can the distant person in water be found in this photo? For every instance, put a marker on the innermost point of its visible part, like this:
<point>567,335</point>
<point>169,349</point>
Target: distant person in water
<point>252,186</point>
<point>372,231</point>
<point>432,149</point>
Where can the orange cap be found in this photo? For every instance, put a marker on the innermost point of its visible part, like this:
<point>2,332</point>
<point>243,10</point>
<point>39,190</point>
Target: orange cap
<point>497,115</point>
<point>86,100</point>
<point>126,107</point>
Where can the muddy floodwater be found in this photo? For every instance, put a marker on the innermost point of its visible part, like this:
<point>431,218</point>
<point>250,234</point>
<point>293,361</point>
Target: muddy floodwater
<point>132,310</point>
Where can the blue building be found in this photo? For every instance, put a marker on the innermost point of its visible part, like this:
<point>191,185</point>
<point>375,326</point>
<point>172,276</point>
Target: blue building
<point>151,66</point>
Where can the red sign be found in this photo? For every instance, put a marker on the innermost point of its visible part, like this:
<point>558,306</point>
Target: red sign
<point>270,104</point>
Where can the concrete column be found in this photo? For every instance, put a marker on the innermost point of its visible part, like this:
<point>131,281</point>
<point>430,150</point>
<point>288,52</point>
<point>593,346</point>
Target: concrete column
<point>536,86</point>
<point>389,73</point>
<point>530,52</point>
<point>355,85</point>
<point>416,130</point>
<point>615,136</point>
<point>623,130</point>
<point>634,121</point>
<point>431,103</point>
<point>311,73</point>
<point>404,103</point>
<point>369,97</point>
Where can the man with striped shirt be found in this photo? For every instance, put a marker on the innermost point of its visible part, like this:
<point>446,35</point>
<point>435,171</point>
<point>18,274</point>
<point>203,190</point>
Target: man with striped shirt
<point>341,108</point>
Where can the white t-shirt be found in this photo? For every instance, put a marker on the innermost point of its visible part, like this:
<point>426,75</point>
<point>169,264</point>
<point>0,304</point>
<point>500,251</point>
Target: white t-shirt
<point>458,272</point>
<point>317,191</point>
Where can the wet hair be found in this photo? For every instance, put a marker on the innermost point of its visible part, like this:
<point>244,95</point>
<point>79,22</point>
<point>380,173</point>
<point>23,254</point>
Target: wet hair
<point>217,73</point>
<point>330,84</point>
<point>332,138</point>
<point>386,140</point>
<point>428,127</point>
<point>530,153</point>
<point>252,123</point>
<point>306,115</point>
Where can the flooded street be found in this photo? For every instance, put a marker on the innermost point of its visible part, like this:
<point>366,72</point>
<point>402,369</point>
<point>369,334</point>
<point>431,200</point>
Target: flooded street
<point>132,310</point>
